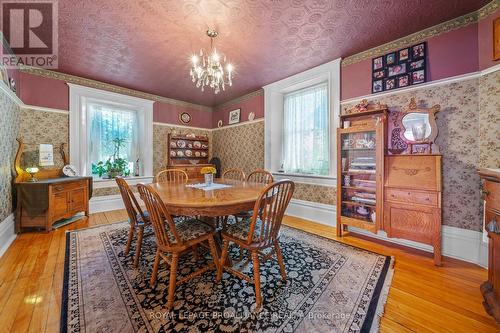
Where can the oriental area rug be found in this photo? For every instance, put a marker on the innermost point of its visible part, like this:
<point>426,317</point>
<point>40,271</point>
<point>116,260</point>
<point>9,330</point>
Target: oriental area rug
<point>331,287</point>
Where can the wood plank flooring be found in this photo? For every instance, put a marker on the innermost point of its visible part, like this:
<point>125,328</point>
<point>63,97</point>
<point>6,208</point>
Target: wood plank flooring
<point>422,298</point>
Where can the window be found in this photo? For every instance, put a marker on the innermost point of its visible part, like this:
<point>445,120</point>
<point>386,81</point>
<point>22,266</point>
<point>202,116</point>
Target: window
<point>301,117</point>
<point>113,136</point>
<point>105,124</point>
<point>305,131</point>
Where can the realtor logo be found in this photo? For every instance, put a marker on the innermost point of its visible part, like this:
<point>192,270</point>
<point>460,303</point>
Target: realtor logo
<point>30,30</point>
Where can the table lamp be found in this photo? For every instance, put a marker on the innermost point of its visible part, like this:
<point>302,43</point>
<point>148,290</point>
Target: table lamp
<point>32,171</point>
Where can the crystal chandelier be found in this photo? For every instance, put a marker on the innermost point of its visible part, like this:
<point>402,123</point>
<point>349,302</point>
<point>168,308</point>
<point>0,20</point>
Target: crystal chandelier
<point>210,68</point>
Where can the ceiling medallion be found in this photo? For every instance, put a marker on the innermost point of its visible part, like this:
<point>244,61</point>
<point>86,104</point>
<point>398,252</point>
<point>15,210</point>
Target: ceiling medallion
<point>209,69</point>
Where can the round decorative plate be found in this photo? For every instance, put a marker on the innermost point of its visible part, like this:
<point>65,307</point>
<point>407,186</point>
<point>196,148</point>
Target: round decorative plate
<point>188,153</point>
<point>181,143</point>
<point>203,154</point>
<point>219,123</point>
<point>185,118</point>
<point>173,144</point>
<point>180,153</point>
<point>197,144</point>
<point>173,153</point>
<point>197,154</point>
<point>69,170</point>
<point>251,116</point>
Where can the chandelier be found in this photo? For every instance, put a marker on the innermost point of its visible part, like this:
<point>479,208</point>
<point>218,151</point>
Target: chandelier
<point>209,69</point>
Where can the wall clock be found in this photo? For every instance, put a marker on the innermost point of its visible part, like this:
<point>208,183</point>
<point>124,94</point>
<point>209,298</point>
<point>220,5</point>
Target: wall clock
<point>185,118</point>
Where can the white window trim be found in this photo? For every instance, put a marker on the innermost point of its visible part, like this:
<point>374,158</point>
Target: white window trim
<point>273,119</point>
<point>78,148</point>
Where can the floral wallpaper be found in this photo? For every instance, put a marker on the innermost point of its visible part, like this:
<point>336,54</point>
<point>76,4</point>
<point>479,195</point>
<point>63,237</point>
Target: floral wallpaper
<point>489,120</point>
<point>243,147</point>
<point>9,129</point>
<point>459,143</point>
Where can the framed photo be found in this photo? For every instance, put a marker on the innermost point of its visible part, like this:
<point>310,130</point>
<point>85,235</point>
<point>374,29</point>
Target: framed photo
<point>377,63</point>
<point>403,80</point>
<point>234,116</point>
<point>418,51</point>
<point>417,64</point>
<point>418,76</point>
<point>496,39</point>
<point>379,74</point>
<point>390,83</point>
<point>377,86</point>
<point>390,58</point>
<point>396,70</point>
<point>404,54</point>
<point>185,118</point>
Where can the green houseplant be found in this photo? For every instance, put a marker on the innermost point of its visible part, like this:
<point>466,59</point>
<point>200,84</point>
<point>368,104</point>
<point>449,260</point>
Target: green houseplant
<point>115,165</point>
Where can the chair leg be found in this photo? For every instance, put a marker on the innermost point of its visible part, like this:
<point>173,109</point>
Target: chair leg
<point>256,280</point>
<point>129,240</point>
<point>280,259</point>
<point>155,269</point>
<point>138,246</point>
<point>225,247</point>
<point>173,277</point>
<point>195,252</point>
<point>213,251</point>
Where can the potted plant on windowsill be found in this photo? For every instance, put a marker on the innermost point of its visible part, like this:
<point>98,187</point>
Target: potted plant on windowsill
<point>114,166</point>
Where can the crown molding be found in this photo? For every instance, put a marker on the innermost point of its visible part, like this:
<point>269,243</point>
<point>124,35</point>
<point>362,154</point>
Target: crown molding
<point>239,99</point>
<point>425,34</point>
<point>109,87</point>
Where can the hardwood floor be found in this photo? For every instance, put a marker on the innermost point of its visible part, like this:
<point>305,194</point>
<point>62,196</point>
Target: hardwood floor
<point>422,298</point>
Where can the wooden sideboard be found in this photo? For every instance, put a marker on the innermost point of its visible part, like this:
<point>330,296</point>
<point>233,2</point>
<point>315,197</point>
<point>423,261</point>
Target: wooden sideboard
<point>491,195</point>
<point>41,203</point>
<point>412,199</point>
<point>188,153</point>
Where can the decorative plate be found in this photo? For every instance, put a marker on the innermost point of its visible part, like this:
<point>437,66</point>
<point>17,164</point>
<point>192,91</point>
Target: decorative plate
<point>188,153</point>
<point>204,146</point>
<point>69,170</point>
<point>197,144</point>
<point>197,154</point>
<point>173,144</point>
<point>173,153</point>
<point>180,153</point>
<point>181,143</point>
<point>185,118</point>
<point>203,154</point>
<point>190,145</point>
<point>194,162</point>
<point>219,123</point>
<point>251,116</point>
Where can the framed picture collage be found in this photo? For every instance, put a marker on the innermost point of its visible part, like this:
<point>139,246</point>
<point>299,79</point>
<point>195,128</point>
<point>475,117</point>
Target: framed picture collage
<point>399,69</point>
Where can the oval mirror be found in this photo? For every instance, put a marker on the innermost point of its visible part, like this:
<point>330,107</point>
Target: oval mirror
<point>417,126</point>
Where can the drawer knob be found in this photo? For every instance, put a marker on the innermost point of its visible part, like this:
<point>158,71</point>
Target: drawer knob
<point>59,188</point>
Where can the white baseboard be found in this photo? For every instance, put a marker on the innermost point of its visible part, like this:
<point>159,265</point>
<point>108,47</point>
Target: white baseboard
<point>7,233</point>
<point>457,243</point>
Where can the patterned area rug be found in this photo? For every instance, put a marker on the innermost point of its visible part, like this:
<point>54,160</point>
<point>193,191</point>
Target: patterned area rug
<point>331,287</point>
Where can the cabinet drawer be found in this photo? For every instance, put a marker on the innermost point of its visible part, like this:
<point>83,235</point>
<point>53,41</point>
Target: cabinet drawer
<point>414,197</point>
<point>77,200</point>
<point>64,187</point>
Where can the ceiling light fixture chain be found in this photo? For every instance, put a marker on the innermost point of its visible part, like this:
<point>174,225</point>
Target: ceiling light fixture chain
<point>209,69</point>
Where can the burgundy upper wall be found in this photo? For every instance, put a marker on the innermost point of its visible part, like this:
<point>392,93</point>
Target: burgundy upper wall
<point>42,91</point>
<point>169,114</point>
<point>485,41</point>
<point>253,104</point>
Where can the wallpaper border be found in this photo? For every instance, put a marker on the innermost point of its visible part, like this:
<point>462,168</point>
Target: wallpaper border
<point>425,34</point>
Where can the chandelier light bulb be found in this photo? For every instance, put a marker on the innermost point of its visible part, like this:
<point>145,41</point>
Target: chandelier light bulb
<point>195,59</point>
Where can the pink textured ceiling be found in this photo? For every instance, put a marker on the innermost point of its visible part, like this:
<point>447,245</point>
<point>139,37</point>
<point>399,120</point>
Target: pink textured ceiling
<point>145,45</point>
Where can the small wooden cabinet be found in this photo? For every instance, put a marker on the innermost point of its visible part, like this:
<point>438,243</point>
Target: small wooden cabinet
<point>491,195</point>
<point>42,203</point>
<point>412,200</point>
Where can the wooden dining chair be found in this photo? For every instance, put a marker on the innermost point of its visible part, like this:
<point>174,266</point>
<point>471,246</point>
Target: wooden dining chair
<point>137,217</point>
<point>259,233</point>
<point>260,176</point>
<point>175,238</point>
<point>171,175</point>
<point>235,173</point>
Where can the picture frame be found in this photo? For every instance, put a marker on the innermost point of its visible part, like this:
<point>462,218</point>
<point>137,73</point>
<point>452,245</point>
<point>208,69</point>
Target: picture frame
<point>184,118</point>
<point>380,74</point>
<point>377,63</point>
<point>396,69</point>
<point>390,58</point>
<point>496,39</point>
<point>418,51</point>
<point>418,76</point>
<point>390,83</point>
<point>404,54</point>
<point>4,75</point>
<point>377,86</point>
<point>403,80</point>
<point>417,64</point>
<point>234,116</point>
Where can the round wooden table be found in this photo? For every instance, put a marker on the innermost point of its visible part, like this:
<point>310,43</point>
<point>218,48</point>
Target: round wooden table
<point>187,201</point>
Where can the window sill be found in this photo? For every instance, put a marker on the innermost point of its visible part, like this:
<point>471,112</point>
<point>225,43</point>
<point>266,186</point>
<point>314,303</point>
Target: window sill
<point>107,183</point>
<point>307,179</point>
